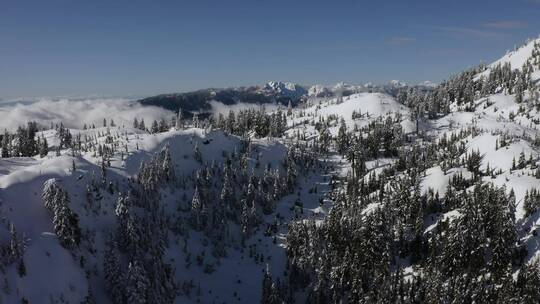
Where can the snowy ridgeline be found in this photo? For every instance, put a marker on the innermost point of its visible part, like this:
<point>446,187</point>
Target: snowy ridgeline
<point>423,196</point>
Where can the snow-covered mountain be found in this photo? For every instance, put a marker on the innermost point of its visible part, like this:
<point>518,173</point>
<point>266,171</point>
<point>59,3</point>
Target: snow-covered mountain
<point>519,56</point>
<point>281,93</point>
<point>355,193</point>
<point>516,59</point>
<point>286,89</point>
<point>428,84</point>
<point>319,90</point>
<point>272,93</point>
<point>398,84</point>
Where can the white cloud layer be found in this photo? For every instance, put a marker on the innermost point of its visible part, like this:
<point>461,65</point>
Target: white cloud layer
<point>75,113</point>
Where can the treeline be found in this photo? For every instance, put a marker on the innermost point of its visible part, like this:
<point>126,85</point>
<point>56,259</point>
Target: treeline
<point>26,142</point>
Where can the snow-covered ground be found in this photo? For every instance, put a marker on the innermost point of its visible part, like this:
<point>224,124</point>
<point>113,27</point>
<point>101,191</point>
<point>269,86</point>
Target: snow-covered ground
<point>237,277</point>
<point>515,58</point>
<point>370,105</point>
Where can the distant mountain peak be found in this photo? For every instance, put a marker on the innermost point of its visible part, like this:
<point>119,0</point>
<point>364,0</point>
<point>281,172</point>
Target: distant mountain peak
<point>287,89</point>
<point>398,83</point>
<point>428,84</point>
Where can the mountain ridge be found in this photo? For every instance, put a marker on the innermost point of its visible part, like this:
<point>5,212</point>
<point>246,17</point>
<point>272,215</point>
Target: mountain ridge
<point>273,92</point>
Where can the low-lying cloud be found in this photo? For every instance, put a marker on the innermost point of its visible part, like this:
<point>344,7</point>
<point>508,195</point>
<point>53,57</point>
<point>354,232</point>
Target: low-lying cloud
<point>76,113</point>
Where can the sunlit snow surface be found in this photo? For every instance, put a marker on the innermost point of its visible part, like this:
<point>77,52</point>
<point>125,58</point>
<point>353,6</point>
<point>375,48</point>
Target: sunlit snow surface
<point>52,271</point>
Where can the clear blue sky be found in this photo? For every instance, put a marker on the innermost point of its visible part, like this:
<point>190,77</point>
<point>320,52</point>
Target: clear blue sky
<point>72,47</point>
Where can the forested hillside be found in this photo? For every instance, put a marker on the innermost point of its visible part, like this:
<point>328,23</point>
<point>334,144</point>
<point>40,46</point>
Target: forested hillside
<point>396,194</point>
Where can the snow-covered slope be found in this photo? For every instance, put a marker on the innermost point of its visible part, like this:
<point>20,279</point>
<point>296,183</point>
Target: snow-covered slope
<point>287,89</point>
<point>516,58</point>
<point>369,106</point>
<point>236,277</point>
<point>350,145</point>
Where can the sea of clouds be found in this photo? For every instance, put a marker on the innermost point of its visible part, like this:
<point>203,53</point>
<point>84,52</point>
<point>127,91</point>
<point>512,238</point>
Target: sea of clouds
<point>74,113</point>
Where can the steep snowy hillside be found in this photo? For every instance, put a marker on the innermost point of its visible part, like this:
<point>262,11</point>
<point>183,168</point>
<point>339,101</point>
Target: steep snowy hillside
<point>461,192</point>
<point>517,58</point>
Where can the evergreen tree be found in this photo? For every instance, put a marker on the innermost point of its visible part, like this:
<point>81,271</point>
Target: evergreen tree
<point>155,127</point>
<point>113,274</point>
<point>66,223</point>
<point>6,145</point>
<point>137,284</point>
<point>527,283</point>
<point>197,153</point>
<point>198,210</point>
<point>43,147</point>
<point>142,126</point>
<point>228,198</point>
<point>123,218</point>
<point>342,138</point>
<point>179,124</point>
<point>522,161</point>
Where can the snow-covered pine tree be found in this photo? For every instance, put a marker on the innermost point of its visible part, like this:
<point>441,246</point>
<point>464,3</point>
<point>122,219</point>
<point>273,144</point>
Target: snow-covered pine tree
<point>198,208</point>
<point>227,196</point>
<point>123,215</point>
<point>179,123</point>
<point>155,127</point>
<point>114,278</point>
<point>137,284</point>
<point>197,155</point>
<point>43,147</point>
<point>66,222</point>
<point>50,194</point>
<point>342,140</point>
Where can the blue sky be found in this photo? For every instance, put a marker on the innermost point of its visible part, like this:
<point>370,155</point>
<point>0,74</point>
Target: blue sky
<point>51,48</point>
